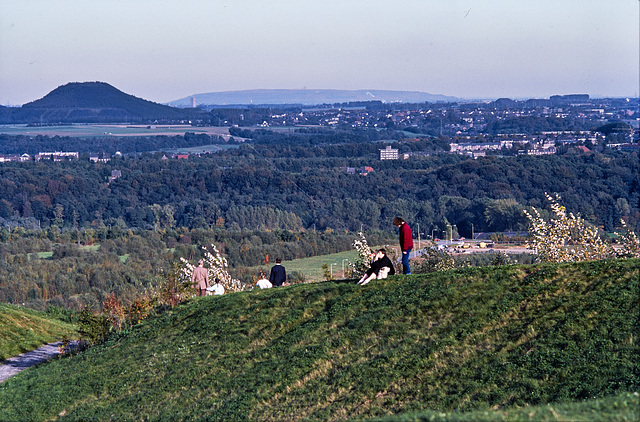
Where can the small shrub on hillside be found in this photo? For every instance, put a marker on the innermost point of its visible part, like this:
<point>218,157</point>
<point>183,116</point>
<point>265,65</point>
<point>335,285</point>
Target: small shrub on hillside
<point>97,327</point>
<point>93,327</point>
<point>172,290</point>
<point>326,272</point>
<point>433,260</point>
<point>114,312</point>
<point>628,243</point>
<point>297,277</point>
<point>501,259</point>
<point>139,310</point>
<point>363,260</point>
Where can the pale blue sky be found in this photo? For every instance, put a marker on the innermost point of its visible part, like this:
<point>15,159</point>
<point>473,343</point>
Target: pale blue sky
<point>164,50</point>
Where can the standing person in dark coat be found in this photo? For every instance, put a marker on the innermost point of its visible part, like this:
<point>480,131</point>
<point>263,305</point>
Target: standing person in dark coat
<point>406,242</point>
<point>278,274</point>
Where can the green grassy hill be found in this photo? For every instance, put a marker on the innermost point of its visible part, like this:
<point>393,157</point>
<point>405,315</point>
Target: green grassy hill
<point>478,339</point>
<point>23,330</point>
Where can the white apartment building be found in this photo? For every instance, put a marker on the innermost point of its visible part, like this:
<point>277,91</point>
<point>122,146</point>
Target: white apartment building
<point>389,153</point>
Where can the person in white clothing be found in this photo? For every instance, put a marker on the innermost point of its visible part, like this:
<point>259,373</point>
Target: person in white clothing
<point>263,283</point>
<point>217,288</point>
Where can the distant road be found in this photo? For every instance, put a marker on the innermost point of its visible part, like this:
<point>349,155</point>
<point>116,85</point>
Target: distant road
<point>498,248</point>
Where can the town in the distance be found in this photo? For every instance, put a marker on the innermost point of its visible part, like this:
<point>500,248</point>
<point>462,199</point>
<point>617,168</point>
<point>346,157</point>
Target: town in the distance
<point>476,128</point>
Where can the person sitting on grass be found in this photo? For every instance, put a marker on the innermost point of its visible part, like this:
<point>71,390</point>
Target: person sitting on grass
<point>381,267</point>
<point>263,282</point>
<point>217,289</point>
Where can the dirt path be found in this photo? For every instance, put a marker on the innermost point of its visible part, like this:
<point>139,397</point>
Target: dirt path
<point>12,366</point>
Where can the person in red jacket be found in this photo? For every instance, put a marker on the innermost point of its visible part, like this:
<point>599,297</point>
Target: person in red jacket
<point>406,242</point>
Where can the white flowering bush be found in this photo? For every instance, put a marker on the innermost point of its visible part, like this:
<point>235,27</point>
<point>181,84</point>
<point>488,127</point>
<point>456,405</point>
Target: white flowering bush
<point>217,266</point>
<point>363,260</point>
<point>628,244</point>
<point>569,238</point>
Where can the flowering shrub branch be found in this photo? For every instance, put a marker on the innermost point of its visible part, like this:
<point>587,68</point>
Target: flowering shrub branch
<point>217,266</point>
<point>569,238</point>
<point>363,260</point>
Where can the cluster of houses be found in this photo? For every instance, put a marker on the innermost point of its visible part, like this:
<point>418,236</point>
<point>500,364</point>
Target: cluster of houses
<point>62,156</point>
<point>459,118</point>
<point>480,149</point>
<point>14,157</point>
<point>59,156</point>
<point>363,171</point>
<point>55,156</point>
<point>541,144</point>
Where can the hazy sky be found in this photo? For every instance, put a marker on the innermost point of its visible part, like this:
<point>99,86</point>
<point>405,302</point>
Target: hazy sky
<point>164,50</point>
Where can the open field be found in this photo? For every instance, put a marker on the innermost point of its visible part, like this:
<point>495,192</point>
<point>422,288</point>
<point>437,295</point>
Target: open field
<point>99,131</point>
<point>202,149</point>
<point>311,267</point>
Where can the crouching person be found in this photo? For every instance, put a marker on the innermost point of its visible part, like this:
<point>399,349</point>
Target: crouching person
<point>381,267</point>
<point>217,289</point>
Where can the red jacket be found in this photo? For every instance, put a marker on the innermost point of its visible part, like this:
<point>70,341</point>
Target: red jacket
<point>406,238</point>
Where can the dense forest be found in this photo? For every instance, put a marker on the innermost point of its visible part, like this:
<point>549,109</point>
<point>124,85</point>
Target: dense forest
<point>20,144</point>
<point>285,186</point>
<point>78,268</point>
<point>71,232</point>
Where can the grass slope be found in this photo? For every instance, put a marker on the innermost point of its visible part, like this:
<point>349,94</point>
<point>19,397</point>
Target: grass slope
<point>480,339</point>
<point>623,407</point>
<point>23,330</point>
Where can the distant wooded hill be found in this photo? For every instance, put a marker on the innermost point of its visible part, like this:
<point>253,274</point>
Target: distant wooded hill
<point>308,97</point>
<point>93,102</point>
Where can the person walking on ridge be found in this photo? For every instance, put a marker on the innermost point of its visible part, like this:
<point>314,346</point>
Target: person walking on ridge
<point>406,242</point>
<point>200,278</point>
<point>278,274</point>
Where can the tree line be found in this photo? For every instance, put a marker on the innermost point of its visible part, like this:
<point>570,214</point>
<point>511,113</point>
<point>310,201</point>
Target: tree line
<point>20,144</point>
<point>82,268</point>
<point>268,187</point>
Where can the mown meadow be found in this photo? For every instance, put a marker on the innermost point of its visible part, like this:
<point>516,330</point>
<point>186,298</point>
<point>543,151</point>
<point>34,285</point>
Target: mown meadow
<point>489,340</point>
<point>23,330</point>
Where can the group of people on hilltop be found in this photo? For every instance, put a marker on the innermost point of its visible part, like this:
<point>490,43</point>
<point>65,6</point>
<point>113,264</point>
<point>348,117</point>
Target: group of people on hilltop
<point>380,267</point>
<point>200,279</point>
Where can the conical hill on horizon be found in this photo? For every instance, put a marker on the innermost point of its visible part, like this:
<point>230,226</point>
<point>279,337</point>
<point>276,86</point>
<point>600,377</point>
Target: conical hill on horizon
<point>92,102</point>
